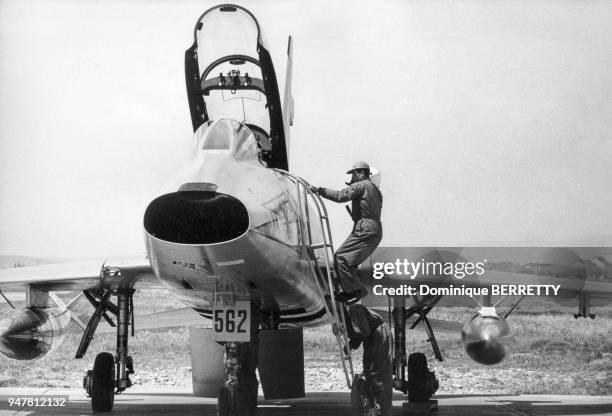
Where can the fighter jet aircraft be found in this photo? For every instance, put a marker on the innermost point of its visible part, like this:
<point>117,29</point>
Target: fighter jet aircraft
<point>238,238</point>
<point>232,236</point>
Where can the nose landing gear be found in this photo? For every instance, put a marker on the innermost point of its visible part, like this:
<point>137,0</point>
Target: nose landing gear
<point>227,400</point>
<point>239,394</point>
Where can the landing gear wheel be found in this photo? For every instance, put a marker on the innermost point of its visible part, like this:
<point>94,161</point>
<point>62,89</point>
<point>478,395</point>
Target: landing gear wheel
<point>422,383</point>
<point>103,383</point>
<point>223,402</point>
<point>417,377</point>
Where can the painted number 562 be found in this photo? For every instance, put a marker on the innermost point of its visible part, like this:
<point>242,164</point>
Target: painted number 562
<point>230,321</point>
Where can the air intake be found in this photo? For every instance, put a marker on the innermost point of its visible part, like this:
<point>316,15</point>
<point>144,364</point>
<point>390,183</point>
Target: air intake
<point>196,217</point>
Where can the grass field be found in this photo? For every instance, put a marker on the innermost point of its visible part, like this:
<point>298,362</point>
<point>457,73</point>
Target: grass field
<point>551,352</point>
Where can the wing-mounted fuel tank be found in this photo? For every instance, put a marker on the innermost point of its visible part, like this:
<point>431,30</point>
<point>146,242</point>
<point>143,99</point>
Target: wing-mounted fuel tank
<point>28,334</point>
<point>484,337</point>
<point>229,74</point>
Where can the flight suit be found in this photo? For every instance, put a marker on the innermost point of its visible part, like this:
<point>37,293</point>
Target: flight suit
<point>368,327</point>
<point>367,229</point>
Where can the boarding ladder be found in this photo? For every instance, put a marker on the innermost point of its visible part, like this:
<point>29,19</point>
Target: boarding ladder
<point>325,280</point>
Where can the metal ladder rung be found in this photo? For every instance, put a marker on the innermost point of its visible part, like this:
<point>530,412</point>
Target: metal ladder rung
<point>334,311</point>
<point>321,245</point>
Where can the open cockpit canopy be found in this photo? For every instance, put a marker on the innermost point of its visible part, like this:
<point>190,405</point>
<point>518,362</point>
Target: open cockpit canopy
<point>229,74</point>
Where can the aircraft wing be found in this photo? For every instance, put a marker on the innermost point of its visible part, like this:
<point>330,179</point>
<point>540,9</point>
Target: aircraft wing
<point>113,273</point>
<point>167,319</point>
<point>577,270</point>
<point>569,285</point>
<point>437,324</point>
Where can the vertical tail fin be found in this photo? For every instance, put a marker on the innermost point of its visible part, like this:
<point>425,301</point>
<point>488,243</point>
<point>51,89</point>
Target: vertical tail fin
<point>288,97</point>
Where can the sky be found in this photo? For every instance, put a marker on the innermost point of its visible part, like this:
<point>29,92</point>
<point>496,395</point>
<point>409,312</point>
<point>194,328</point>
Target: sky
<point>491,122</point>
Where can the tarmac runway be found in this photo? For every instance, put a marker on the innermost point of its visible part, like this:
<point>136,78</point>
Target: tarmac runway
<point>179,401</point>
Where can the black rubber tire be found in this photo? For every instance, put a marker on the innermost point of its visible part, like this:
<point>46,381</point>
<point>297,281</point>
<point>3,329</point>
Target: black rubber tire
<point>103,383</point>
<point>418,374</point>
<point>223,402</point>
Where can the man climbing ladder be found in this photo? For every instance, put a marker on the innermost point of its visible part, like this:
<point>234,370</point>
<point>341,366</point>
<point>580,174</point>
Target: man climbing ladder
<point>366,205</point>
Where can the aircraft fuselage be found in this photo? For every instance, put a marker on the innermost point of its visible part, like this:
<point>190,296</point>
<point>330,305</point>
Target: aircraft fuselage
<point>233,227</point>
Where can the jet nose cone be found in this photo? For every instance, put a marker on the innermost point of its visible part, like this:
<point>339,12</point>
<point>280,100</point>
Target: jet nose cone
<point>482,338</point>
<point>196,217</point>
